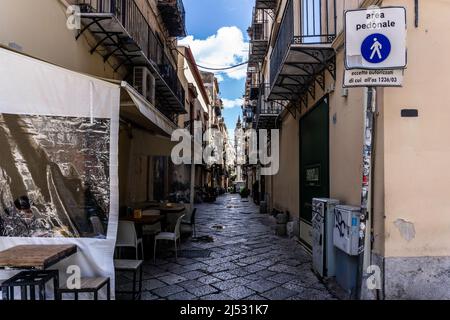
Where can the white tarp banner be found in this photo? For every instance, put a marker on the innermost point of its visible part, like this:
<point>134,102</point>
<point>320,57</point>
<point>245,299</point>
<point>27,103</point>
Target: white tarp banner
<point>58,162</point>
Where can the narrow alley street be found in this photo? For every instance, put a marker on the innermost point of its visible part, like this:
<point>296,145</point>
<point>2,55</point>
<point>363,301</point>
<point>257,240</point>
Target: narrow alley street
<point>246,261</point>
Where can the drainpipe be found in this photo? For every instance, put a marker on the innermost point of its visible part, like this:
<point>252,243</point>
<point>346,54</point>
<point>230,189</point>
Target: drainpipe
<point>416,13</point>
<point>192,198</point>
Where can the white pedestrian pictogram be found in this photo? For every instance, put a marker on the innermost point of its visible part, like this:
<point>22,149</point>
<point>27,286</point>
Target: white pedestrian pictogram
<point>376,47</point>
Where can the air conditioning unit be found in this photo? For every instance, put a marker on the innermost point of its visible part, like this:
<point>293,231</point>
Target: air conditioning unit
<point>144,83</point>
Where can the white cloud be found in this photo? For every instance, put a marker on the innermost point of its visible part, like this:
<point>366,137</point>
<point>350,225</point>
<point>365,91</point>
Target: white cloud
<point>230,104</point>
<point>219,77</point>
<point>224,49</point>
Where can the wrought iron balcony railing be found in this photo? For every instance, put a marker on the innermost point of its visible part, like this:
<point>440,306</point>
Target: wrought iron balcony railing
<point>266,4</point>
<point>248,114</point>
<point>123,30</point>
<point>305,24</point>
<point>264,107</point>
<point>218,110</point>
<point>259,34</point>
<point>174,16</point>
<point>259,31</point>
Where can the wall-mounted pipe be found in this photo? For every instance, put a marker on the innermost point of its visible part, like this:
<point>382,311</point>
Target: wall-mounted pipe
<point>416,13</point>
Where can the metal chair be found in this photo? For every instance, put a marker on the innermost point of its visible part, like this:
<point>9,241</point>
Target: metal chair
<point>127,237</point>
<point>191,223</point>
<point>134,267</point>
<point>28,281</point>
<point>170,236</point>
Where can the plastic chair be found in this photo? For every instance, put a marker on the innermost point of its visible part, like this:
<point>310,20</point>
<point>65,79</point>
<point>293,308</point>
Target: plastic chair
<point>191,222</point>
<point>127,237</point>
<point>170,236</point>
<point>151,230</point>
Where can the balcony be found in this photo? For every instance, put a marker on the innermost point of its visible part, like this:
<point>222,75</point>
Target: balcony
<point>174,17</point>
<point>121,30</point>
<point>252,83</point>
<point>302,51</point>
<point>218,110</point>
<point>259,34</point>
<point>248,114</point>
<point>254,91</point>
<point>267,112</point>
<point>266,4</point>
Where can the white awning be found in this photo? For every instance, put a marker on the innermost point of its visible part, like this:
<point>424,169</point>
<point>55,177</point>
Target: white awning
<point>138,106</point>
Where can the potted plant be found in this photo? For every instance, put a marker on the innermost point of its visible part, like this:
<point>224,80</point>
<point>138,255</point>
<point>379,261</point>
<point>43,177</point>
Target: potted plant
<point>245,192</point>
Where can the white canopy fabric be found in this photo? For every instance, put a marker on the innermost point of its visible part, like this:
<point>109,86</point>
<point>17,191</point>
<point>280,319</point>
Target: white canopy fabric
<point>71,121</point>
<point>147,110</point>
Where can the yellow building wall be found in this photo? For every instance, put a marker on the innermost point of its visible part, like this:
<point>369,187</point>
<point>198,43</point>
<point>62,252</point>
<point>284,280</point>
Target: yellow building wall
<point>39,28</point>
<point>285,185</point>
<point>417,150</point>
<point>346,140</point>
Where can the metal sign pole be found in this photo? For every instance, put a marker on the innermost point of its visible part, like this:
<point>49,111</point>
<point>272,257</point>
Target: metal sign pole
<point>375,56</point>
<point>366,208</point>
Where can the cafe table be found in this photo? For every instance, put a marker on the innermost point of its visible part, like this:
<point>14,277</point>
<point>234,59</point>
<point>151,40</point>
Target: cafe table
<point>34,260</point>
<point>167,211</point>
<point>171,208</point>
<point>164,208</point>
<point>35,257</point>
<point>144,220</point>
<point>171,212</point>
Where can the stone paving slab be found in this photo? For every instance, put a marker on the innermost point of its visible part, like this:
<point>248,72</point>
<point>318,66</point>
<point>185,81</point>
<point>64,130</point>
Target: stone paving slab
<point>191,284</point>
<point>247,261</point>
<point>167,291</point>
<point>203,290</point>
<point>239,293</point>
<point>208,279</point>
<point>192,275</point>
<point>182,296</point>
<point>153,284</point>
<point>279,293</point>
<point>262,285</point>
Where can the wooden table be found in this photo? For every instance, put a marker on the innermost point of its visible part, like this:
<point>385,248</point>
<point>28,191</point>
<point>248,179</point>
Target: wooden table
<point>35,257</point>
<point>145,220</point>
<point>146,205</point>
<point>165,211</point>
<point>177,208</point>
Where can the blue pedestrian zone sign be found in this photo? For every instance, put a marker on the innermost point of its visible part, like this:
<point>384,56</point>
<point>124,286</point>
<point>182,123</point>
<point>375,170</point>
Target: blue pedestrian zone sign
<point>376,48</point>
<point>375,38</point>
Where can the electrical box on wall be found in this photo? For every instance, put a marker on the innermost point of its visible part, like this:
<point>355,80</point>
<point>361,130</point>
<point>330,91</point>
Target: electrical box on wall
<point>346,229</point>
<point>322,243</point>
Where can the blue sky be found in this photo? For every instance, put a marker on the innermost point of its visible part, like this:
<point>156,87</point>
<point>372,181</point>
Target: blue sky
<point>218,37</point>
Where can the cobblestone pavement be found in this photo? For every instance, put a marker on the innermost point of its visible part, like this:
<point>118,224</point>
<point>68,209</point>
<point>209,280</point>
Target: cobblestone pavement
<point>246,261</point>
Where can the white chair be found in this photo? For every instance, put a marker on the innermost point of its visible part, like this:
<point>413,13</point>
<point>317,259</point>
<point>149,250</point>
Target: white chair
<point>170,236</point>
<point>151,230</point>
<point>188,225</point>
<point>127,237</point>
